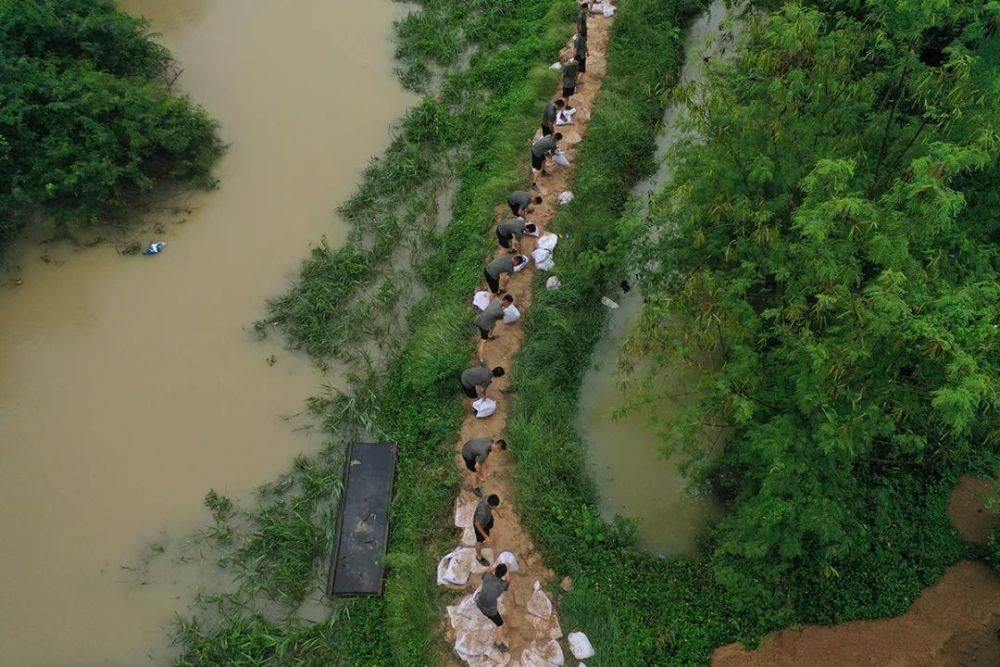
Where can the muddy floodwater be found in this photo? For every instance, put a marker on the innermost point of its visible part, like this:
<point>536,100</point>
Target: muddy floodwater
<point>633,478</point>
<point>129,386</point>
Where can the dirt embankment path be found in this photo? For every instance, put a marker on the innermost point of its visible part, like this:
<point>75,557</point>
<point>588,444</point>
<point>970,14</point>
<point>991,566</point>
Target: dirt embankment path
<point>955,622</point>
<point>528,635</point>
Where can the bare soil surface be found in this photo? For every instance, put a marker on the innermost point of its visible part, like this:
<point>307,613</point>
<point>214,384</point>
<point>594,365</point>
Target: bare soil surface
<point>522,628</point>
<point>955,622</point>
<point>968,512</point>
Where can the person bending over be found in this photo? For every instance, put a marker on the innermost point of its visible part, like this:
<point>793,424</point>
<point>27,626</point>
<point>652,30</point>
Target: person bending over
<point>482,523</point>
<point>499,271</point>
<point>474,454</point>
<point>541,149</point>
<point>495,582</point>
<point>552,110</point>
<point>520,202</point>
<point>511,231</point>
<point>477,379</point>
<point>487,320</point>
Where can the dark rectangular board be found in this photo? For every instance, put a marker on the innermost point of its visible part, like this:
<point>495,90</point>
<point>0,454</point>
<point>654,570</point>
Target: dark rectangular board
<point>357,564</point>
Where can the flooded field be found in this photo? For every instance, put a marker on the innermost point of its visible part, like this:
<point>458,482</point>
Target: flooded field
<point>129,386</point>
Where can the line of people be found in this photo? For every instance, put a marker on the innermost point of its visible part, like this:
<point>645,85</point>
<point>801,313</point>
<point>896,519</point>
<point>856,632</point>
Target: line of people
<point>475,381</point>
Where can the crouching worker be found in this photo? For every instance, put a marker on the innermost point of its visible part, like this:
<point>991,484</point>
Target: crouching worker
<point>475,380</point>
<point>511,231</point>
<point>475,452</point>
<point>520,202</point>
<point>482,522</point>
<point>488,319</point>
<point>499,271</point>
<point>495,583</point>
<point>541,149</point>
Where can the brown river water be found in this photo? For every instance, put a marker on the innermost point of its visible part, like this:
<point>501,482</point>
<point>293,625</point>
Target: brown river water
<point>129,386</point>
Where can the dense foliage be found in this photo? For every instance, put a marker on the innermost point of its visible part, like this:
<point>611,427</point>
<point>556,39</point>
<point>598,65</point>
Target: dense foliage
<point>87,120</point>
<point>818,239</point>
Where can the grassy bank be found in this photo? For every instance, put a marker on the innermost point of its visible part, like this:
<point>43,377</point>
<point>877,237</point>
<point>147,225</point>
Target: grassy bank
<point>483,115</point>
<point>639,610</point>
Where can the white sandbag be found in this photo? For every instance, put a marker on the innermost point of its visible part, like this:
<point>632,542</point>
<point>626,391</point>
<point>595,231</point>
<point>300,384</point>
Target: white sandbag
<point>470,644</point>
<point>553,283</point>
<point>543,259</point>
<point>544,627</point>
<point>609,10</point>
<point>457,572</point>
<point>510,560</point>
<point>468,608</point>
<point>561,159</point>
<point>522,266</point>
<point>481,299</point>
<point>545,655</point>
<point>464,512</point>
<point>511,314</point>
<point>609,303</point>
<point>556,65</point>
<point>548,241</point>
<point>484,407</point>
<point>563,119</point>
<point>458,566</point>
<point>553,652</point>
<point>580,646</point>
<point>539,603</point>
<point>566,197</point>
<point>442,569</point>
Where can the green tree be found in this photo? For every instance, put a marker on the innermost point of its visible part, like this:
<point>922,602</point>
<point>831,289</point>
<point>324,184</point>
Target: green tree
<point>817,247</point>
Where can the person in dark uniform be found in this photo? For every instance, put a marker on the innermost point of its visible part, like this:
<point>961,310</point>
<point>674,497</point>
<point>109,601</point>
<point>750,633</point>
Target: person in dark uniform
<point>569,73</point>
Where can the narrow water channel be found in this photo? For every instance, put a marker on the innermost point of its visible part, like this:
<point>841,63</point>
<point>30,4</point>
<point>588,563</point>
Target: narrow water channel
<point>634,480</point>
<point>129,386</point>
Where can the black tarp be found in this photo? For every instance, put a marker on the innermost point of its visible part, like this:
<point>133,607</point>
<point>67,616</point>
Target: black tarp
<point>358,560</point>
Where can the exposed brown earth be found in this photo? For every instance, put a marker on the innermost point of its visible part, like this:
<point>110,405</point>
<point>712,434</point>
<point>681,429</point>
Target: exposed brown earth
<point>522,628</point>
<point>955,622</point>
<point>968,512</point>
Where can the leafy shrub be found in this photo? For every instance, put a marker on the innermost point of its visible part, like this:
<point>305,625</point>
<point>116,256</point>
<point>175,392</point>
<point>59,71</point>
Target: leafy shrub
<point>87,121</point>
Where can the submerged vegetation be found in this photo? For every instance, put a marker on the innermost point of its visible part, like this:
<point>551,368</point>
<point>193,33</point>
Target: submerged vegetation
<point>88,122</point>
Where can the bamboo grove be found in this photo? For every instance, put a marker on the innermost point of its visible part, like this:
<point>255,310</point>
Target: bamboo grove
<point>830,244</point>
